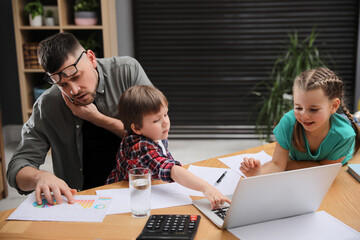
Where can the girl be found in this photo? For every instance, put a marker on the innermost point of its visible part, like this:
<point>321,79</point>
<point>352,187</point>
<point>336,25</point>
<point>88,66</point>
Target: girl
<point>313,133</point>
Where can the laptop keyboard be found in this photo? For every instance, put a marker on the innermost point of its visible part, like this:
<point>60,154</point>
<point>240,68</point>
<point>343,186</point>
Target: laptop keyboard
<point>221,212</point>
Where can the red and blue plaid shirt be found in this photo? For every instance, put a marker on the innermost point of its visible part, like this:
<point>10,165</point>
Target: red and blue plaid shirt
<point>138,151</point>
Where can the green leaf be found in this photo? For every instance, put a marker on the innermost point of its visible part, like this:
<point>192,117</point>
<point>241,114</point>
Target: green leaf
<point>34,8</point>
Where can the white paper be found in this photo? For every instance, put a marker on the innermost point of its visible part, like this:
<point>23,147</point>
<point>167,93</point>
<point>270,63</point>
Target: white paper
<point>162,196</point>
<point>88,208</point>
<point>311,226</point>
<point>211,175</point>
<point>234,162</point>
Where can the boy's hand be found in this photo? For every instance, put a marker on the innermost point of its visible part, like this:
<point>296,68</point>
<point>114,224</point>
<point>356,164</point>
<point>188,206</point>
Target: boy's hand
<point>189,180</point>
<point>215,197</point>
<point>250,167</point>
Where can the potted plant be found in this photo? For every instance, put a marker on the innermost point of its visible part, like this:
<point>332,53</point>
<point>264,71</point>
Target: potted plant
<point>35,11</point>
<point>86,12</point>
<point>90,43</point>
<point>277,98</point>
<point>49,18</point>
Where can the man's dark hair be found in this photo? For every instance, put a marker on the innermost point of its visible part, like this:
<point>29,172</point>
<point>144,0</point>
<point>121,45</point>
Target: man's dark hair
<point>54,50</point>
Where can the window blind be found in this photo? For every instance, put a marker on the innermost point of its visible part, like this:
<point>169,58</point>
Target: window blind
<point>206,56</point>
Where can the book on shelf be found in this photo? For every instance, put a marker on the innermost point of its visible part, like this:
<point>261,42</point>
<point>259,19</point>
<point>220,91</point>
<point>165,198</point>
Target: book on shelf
<point>354,170</point>
<point>30,55</point>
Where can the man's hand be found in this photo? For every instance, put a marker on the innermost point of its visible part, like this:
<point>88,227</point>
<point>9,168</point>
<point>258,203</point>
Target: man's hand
<point>29,179</point>
<point>86,112</point>
<point>47,183</point>
<point>250,167</point>
<point>91,114</point>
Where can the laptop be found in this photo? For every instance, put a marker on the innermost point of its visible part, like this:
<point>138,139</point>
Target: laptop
<point>273,196</point>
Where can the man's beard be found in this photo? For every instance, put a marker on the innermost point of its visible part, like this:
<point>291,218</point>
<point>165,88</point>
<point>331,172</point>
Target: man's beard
<point>91,99</point>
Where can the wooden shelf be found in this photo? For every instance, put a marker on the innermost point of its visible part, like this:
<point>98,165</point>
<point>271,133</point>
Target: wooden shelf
<point>75,27</point>
<point>105,33</point>
<point>39,28</point>
<point>3,184</point>
<point>33,70</point>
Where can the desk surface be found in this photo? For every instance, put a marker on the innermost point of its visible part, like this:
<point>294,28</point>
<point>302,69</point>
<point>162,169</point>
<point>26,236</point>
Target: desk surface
<point>342,202</point>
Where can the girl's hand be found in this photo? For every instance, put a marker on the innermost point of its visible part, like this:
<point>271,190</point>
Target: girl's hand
<point>250,167</point>
<point>215,197</point>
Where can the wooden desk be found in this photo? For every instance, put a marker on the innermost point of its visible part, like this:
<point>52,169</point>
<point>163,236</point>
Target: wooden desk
<point>342,201</point>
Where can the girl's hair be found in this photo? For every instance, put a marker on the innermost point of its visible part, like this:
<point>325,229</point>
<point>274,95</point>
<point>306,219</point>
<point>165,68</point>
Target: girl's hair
<point>138,101</point>
<point>332,87</point>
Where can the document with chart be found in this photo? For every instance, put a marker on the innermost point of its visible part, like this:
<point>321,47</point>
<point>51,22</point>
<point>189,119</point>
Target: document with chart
<point>87,208</point>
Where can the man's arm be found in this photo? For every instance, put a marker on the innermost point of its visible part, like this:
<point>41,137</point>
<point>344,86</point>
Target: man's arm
<point>23,170</point>
<point>91,113</point>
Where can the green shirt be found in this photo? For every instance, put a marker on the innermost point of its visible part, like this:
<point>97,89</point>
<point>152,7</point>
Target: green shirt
<point>339,141</point>
<point>52,123</point>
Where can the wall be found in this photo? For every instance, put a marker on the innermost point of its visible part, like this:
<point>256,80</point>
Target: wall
<point>9,82</point>
<point>124,28</point>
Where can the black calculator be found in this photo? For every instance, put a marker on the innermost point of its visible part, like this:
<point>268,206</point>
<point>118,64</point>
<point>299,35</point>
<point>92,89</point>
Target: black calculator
<point>170,227</point>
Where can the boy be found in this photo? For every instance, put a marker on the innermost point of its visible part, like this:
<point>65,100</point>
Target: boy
<point>144,113</point>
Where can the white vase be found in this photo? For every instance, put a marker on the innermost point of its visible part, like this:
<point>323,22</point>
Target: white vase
<point>36,22</point>
<point>49,21</point>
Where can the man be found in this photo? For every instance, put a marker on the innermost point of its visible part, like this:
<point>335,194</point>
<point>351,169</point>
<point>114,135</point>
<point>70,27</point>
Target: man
<point>77,117</point>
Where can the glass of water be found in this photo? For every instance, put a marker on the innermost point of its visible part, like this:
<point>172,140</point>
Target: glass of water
<point>140,189</point>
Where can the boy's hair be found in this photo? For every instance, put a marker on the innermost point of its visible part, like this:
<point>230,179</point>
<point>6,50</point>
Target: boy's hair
<point>332,87</point>
<point>138,101</point>
<point>54,50</point>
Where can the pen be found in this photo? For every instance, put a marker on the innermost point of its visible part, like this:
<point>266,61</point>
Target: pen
<point>220,178</point>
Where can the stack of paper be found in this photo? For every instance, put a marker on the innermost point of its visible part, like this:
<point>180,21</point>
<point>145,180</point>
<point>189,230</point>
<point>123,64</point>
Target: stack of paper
<point>311,226</point>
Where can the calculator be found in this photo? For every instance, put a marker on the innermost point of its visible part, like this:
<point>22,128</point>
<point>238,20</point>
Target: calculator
<point>180,227</point>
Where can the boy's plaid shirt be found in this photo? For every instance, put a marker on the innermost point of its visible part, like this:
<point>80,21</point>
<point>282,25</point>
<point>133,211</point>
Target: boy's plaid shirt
<point>138,151</point>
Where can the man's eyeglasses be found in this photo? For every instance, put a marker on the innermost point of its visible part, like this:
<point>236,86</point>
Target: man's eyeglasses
<point>66,72</point>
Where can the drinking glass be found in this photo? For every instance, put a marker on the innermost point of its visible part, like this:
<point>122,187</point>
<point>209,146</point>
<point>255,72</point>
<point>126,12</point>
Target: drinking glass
<point>140,189</point>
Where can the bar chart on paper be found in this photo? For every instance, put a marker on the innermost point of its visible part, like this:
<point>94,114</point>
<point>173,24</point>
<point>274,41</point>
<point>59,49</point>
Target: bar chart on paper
<point>85,203</point>
<point>87,208</point>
